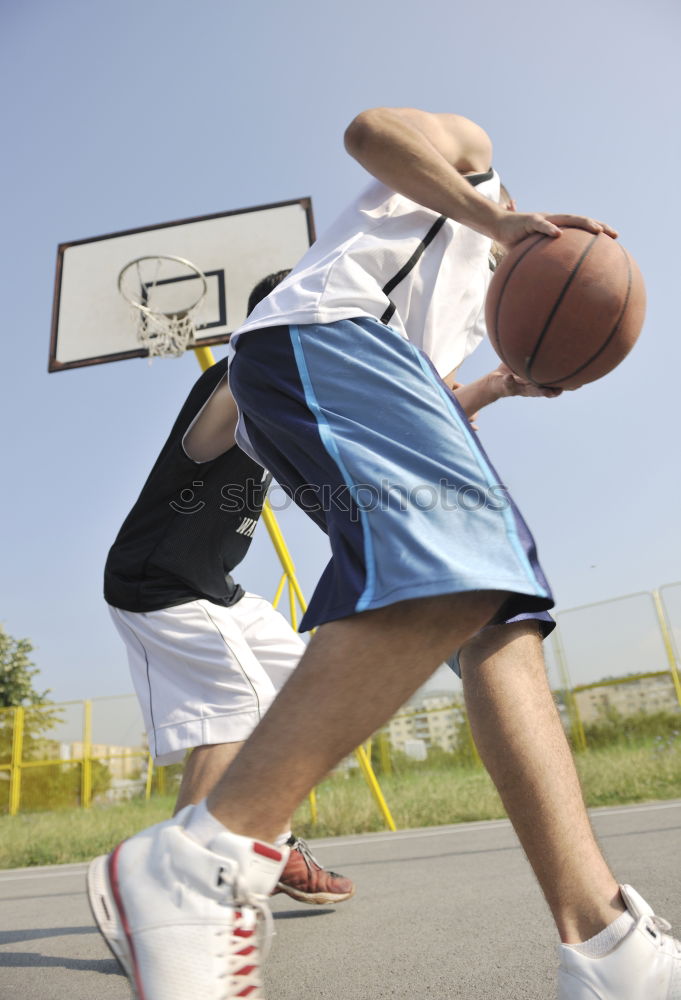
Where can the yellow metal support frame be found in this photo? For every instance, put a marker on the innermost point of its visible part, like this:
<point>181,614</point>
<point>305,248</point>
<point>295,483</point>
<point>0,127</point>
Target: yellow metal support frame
<point>206,359</point>
<point>86,766</point>
<point>16,764</point>
<point>667,639</point>
<point>150,778</point>
<point>15,767</point>
<point>578,733</point>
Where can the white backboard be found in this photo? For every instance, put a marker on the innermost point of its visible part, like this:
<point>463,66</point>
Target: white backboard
<point>92,323</point>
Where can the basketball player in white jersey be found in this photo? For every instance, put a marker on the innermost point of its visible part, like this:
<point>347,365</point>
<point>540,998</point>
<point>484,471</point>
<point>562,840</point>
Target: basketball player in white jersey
<point>338,379</point>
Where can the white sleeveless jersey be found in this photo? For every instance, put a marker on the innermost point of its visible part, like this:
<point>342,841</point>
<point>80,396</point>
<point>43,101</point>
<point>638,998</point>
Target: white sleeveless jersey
<point>424,275</point>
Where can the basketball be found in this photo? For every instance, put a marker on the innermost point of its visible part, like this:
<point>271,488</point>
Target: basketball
<point>563,311</point>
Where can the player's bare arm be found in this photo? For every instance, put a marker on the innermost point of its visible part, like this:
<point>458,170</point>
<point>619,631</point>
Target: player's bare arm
<point>423,155</point>
<point>494,385</point>
<point>212,433</point>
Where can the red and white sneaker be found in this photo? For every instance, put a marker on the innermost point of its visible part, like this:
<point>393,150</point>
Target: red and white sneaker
<point>185,921</point>
<point>304,879</point>
<point>645,965</point>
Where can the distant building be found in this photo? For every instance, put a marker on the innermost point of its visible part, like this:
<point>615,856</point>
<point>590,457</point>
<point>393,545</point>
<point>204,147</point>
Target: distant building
<point>122,762</point>
<point>649,693</point>
<point>416,749</point>
<point>432,718</point>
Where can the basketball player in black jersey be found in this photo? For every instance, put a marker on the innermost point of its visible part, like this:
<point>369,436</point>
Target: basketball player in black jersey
<point>206,658</point>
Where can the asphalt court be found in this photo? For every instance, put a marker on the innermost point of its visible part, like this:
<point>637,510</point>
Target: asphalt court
<point>444,912</point>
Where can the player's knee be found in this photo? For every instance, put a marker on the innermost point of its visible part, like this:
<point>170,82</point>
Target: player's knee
<point>518,638</point>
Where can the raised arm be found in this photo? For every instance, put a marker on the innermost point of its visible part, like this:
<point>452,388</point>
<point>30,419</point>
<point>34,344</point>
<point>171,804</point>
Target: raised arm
<point>423,155</point>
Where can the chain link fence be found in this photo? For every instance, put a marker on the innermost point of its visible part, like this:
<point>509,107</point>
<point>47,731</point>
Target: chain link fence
<point>613,667</point>
<point>73,753</point>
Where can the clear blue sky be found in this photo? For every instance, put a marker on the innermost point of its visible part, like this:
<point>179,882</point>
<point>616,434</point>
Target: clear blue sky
<point>123,114</point>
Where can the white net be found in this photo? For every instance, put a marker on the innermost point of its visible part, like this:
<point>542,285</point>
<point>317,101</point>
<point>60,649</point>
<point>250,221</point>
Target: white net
<point>165,335</point>
<point>165,293</point>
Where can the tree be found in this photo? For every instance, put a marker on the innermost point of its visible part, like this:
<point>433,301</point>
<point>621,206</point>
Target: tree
<point>53,785</point>
<point>17,671</point>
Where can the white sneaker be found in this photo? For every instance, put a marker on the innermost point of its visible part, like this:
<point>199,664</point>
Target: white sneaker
<point>646,965</point>
<point>182,919</point>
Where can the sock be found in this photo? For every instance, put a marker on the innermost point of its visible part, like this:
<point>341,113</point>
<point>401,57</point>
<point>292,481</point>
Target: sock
<point>608,939</point>
<point>283,839</point>
<point>203,826</point>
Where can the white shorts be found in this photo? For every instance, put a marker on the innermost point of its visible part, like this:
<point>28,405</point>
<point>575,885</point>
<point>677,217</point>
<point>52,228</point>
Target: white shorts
<point>206,674</point>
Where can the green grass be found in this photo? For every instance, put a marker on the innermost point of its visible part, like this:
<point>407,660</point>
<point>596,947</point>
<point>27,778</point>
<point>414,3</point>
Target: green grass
<point>428,796</point>
<point>67,835</point>
<point>440,796</point>
<point>614,775</point>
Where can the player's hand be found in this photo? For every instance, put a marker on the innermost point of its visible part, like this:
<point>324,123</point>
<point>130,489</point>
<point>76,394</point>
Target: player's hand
<point>512,227</point>
<point>510,384</point>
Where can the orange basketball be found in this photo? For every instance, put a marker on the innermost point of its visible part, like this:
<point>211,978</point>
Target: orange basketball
<point>563,311</point>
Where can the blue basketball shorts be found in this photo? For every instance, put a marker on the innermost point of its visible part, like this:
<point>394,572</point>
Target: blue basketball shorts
<point>357,427</point>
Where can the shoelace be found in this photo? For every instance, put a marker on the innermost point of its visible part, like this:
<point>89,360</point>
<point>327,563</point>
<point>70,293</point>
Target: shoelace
<point>252,930</point>
<point>665,928</point>
<point>302,847</point>
<point>297,844</point>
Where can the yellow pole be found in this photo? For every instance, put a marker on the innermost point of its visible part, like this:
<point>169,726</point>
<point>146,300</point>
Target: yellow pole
<point>474,750</point>
<point>292,606</point>
<point>668,642</point>
<point>206,360</point>
<point>15,761</point>
<point>150,778</point>
<point>573,710</point>
<point>314,816</point>
<point>280,590</point>
<point>374,787</point>
<point>205,357</point>
<point>86,765</point>
<point>289,569</point>
<point>282,551</point>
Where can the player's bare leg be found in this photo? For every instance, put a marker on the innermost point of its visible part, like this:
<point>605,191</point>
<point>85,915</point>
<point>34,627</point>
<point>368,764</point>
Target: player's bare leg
<point>303,878</point>
<point>354,675</point>
<point>202,771</point>
<point>521,741</point>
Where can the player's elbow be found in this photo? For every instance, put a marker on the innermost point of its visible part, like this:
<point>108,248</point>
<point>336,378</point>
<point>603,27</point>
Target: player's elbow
<point>362,130</point>
<point>480,148</point>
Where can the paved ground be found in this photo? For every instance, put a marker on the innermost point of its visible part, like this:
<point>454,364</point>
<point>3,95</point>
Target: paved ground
<point>448,912</point>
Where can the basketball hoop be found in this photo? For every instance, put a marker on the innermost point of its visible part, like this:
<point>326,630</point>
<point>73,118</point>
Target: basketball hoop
<point>165,293</point>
